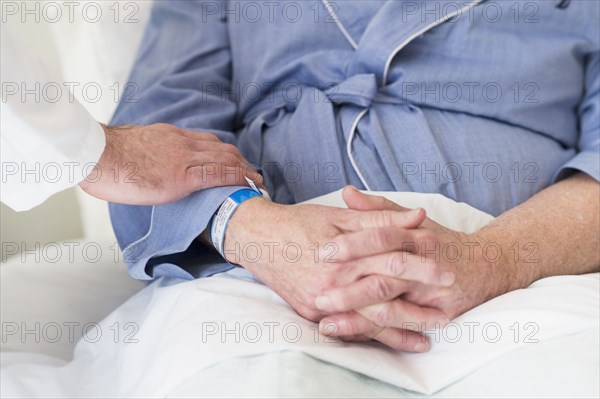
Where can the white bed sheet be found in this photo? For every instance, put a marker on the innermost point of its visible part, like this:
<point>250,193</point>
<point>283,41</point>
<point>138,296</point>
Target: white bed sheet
<point>545,370</point>
<point>175,351</point>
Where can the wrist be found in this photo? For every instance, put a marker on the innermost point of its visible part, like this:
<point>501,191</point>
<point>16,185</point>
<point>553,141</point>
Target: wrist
<point>246,225</point>
<point>246,220</point>
<point>499,255</point>
<point>483,274</point>
<point>87,184</point>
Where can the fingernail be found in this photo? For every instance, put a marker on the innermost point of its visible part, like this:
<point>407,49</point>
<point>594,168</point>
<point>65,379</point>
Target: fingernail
<point>447,279</point>
<point>324,302</point>
<point>322,326</point>
<point>415,212</point>
<point>422,346</point>
<point>327,327</point>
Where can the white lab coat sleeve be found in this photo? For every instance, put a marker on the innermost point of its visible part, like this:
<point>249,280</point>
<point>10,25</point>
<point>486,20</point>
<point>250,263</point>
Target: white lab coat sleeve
<point>49,142</point>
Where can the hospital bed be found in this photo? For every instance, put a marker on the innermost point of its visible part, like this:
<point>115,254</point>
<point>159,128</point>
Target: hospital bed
<point>177,338</point>
<point>81,327</point>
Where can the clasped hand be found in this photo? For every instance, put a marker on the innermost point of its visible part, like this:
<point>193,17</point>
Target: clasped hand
<point>372,271</point>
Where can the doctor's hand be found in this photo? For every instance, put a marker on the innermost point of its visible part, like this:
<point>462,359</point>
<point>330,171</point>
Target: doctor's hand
<point>302,250</point>
<point>161,163</point>
<point>390,315</point>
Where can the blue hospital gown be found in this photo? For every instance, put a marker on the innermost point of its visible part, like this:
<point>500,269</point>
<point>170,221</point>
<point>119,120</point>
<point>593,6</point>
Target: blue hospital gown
<point>485,102</point>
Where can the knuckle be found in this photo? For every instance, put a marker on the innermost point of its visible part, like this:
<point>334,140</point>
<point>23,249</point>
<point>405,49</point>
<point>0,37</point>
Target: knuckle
<point>230,148</point>
<point>167,128</point>
<point>210,137</point>
<point>427,239</point>
<point>160,125</point>
<point>379,288</point>
<point>210,161</point>
<point>230,159</point>
<point>395,264</point>
<point>386,218</point>
<point>379,238</point>
<point>194,173</point>
<point>384,315</point>
<point>188,144</point>
<point>349,217</point>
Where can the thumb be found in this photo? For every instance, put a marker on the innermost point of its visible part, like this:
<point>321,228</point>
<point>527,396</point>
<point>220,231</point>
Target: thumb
<point>359,201</point>
<point>356,200</point>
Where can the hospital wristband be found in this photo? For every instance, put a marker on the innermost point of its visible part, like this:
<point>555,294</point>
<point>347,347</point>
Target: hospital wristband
<point>221,218</point>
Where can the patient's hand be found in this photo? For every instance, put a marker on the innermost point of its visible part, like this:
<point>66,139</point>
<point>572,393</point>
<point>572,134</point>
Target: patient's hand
<point>161,163</point>
<point>392,315</point>
<point>301,250</point>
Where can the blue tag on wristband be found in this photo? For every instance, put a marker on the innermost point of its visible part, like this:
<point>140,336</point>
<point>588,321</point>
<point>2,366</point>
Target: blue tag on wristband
<point>221,218</point>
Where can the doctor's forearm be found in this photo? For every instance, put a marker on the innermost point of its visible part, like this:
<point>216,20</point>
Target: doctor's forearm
<point>556,232</point>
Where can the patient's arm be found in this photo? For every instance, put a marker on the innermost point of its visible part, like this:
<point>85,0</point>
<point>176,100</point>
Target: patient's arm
<point>556,232</point>
<point>563,221</point>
